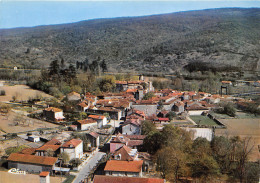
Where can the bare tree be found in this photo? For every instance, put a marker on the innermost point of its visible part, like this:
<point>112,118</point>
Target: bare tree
<point>242,157</point>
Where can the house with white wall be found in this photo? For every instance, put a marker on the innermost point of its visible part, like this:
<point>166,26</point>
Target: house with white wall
<point>124,168</point>
<point>101,120</point>
<point>73,147</point>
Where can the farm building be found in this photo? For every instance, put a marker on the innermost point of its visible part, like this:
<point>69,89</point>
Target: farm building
<point>31,163</point>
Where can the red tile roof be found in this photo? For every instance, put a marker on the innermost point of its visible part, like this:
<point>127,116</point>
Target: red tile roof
<point>28,151</point>
<point>31,159</point>
<point>114,179</point>
<point>124,166</point>
<point>53,142</point>
<point>53,109</point>
<point>124,152</point>
<point>96,117</point>
<point>83,104</point>
<point>44,174</point>
<point>163,119</point>
<point>94,134</point>
<point>135,137</point>
<point>46,147</point>
<point>72,143</point>
<point>134,143</point>
<point>86,121</point>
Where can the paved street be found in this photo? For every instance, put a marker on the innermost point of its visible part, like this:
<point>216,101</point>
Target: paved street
<point>84,172</point>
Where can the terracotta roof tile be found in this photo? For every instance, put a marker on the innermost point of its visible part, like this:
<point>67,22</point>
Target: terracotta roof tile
<point>26,158</point>
<point>72,143</point>
<point>96,116</point>
<point>28,151</point>
<point>134,143</point>
<point>124,166</point>
<point>53,109</point>
<point>53,142</point>
<point>135,137</point>
<point>44,174</point>
<point>94,134</point>
<point>86,121</point>
<point>124,153</point>
<point>114,179</point>
<point>46,147</point>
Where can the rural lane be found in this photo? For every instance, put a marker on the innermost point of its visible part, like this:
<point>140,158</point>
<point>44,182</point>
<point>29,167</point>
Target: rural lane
<point>84,172</point>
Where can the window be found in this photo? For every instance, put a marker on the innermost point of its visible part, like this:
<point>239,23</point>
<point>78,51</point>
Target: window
<point>110,173</point>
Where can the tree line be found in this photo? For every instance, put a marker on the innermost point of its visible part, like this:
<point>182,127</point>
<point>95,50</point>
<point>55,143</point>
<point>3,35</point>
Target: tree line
<point>178,157</point>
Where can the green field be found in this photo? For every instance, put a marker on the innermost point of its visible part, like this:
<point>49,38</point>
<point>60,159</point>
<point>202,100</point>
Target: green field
<point>203,120</point>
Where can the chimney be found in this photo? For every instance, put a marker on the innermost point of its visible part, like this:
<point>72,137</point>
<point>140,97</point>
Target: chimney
<point>44,177</point>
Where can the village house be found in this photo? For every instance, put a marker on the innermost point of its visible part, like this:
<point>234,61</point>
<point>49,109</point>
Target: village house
<point>132,141</point>
<point>85,124</point>
<point>53,114</point>
<point>31,163</point>
<point>82,106</point>
<point>196,109</point>
<point>50,148</point>
<point>125,154</point>
<point>73,97</point>
<point>149,107</point>
<point>110,179</point>
<point>124,168</point>
<point>131,127</point>
<point>118,142</point>
<point>93,138</point>
<point>178,107</point>
<point>101,120</point>
<point>134,112</point>
<point>73,147</point>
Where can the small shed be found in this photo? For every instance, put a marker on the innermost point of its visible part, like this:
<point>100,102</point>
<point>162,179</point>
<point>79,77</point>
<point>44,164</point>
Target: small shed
<point>33,138</point>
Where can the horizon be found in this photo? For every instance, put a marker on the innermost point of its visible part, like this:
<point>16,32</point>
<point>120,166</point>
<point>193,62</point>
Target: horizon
<point>22,14</point>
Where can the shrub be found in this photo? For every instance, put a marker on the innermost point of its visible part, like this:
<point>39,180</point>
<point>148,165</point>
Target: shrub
<point>2,92</point>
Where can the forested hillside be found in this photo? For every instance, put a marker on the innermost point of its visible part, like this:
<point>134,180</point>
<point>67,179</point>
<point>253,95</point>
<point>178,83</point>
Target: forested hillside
<point>164,43</point>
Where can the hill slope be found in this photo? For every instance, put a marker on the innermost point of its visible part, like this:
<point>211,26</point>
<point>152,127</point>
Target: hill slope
<point>151,43</point>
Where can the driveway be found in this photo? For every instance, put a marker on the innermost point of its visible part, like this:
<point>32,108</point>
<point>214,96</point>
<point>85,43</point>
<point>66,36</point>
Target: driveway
<point>84,172</point>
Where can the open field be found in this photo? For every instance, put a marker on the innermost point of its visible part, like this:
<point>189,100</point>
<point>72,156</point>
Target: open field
<point>28,178</point>
<point>21,92</point>
<point>7,125</point>
<point>203,120</point>
<point>243,128</point>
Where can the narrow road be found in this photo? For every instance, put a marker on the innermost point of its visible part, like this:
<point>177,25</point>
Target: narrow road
<point>84,172</point>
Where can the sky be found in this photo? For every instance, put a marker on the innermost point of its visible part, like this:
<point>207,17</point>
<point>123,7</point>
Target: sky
<point>26,13</point>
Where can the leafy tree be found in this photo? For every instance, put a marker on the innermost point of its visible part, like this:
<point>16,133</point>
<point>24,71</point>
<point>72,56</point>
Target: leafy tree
<point>147,127</point>
<point>229,109</point>
<point>153,142</point>
<point>54,68</point>
<point>149,95</point>
<point>107,83</point>
<point>50,152</point>
<point>103,66</point>
<point>94,66</point>
<point>75,162</point>
<point>171,163</point>
<point>64,156</point>
<point>171,115</point>
<point>160,105</point>
<point>221,150</point>
<point>204,167</point>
